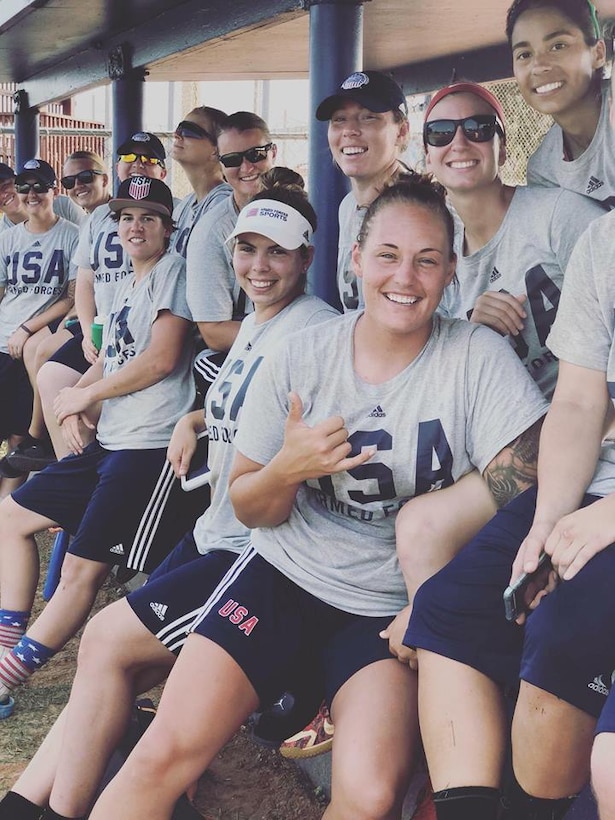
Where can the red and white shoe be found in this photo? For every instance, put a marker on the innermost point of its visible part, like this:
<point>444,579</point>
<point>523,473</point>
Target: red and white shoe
<point>315,739</point>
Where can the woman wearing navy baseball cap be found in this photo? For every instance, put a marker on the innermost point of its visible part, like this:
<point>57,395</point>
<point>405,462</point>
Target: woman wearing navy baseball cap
<point>368,133</point>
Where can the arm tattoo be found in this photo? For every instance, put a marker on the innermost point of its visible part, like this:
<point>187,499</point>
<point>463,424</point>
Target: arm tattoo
<point>513,470</point>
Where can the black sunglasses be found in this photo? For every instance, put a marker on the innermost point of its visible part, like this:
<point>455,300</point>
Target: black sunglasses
<point>84,177</point>
<point>37,187</point>
<point>253,155</point>
<point>193,131</point>
<point>479,128</point>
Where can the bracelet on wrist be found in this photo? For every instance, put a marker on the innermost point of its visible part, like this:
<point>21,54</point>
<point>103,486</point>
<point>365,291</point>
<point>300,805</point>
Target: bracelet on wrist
<point>27,329</point>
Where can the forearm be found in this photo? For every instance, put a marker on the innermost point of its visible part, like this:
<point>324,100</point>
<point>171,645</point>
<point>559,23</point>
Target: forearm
<point>264,497</point>
<point>219,335</point>
<point>569,450</point>
<point>84,298</point>
<point>56,311</point>
<point>514,469</point>
<point>141,372</point>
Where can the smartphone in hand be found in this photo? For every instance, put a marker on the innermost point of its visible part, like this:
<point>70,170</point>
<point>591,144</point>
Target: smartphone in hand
<point>198,472</point>
<point>519,595</point>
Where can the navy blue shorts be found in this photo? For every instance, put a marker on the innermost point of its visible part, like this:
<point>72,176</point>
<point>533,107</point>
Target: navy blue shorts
<point>174,593</point>
<point>568,641</point>
<point>102,497</point>
<point>283,637</point>
<point>16,397</point>
<point>71,353</point>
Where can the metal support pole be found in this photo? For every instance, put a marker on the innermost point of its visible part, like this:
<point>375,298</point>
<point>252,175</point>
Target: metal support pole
<point>26,129</point>
<point>336,50</point>
<point>127,85</point>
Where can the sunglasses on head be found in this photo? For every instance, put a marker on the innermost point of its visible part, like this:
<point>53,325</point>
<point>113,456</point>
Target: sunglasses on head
<point>84,177</point>
<point>253,155</point>
<point>193,131</point>
<point>140,158</point>
<point>37,187</point>
<point>479,128</point>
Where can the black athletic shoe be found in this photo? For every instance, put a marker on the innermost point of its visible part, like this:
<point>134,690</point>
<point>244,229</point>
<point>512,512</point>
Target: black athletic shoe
<point>31,455</point>
<point>6,471</point>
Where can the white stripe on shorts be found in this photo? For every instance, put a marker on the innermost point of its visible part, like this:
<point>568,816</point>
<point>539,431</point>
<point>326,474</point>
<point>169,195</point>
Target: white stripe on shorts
<point>174,634</point>
<point>204,365</point>
<point>231,575</point>
<point>146,532</point>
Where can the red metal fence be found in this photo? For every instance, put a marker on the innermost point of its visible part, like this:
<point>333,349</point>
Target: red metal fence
<point>60,134</point>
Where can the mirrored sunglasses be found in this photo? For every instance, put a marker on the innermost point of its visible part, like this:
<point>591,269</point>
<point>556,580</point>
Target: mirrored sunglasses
<point>193,131</point>
<point>37,187</point>
<point>140,158</point>
<point>253,155</point>
<point>479,128</point>
<point>84,177</point>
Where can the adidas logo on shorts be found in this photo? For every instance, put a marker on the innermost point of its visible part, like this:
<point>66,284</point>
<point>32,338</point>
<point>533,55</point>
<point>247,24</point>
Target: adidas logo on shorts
<point>598,685</point>
<point>159,610</point>
<point>118,549</point>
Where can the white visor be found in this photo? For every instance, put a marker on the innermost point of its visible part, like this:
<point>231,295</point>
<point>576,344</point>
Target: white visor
<point>277,221</point>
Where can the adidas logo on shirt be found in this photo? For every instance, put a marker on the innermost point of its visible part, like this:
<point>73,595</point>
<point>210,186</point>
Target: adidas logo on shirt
<point>377,413</point>
<point>593,185</point>
<point>495,275</point>
<point>159,610</point>
<point>118,549</point>
<point>36,244</point>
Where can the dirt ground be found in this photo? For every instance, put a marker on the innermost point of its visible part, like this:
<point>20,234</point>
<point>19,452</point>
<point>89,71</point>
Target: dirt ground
<point>245,782</point>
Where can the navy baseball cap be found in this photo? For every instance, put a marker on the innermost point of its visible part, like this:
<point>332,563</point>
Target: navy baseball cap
<point>144,192</point>
<point>6,172</point>
<point>372,89</point>
<point>143,142</point>
<point>40,170</point>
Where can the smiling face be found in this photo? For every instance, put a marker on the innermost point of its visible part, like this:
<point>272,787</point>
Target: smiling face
<point>10,202</point>
<point>142,234</point>
<point>364,143</point>
<point>464,165</point>
<point>405,263</point>
<point>246,179</point>
<point>270,275</point>
<point>37,206</point>
<point>553,64</point>
<point>88,195</point>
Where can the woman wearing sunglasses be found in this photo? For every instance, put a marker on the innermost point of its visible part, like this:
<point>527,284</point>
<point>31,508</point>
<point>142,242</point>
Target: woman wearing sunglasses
<point>102,265</point>
<point>218,304</point>
<point>558,60</point>
<point>86,180</point>
<point>195,149</point>
<point>368,133</point>
<point>513,246</point>
<point>36,286</point>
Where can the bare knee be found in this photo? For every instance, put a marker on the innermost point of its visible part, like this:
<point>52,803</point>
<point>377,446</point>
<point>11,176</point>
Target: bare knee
<point>82,574</point>
<point>418,535</point>
<point>376,798</point>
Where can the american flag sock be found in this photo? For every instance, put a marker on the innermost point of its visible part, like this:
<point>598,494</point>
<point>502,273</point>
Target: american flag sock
<point>12,627</point>
<point>24,659</point>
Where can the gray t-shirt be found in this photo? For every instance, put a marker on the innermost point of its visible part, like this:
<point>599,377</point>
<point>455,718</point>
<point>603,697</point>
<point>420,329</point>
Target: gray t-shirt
<point>66,208</point>
<point>218,528</point>
<point>350,218</point>
<point>528,255</point>
<point>35,269</point>
<point>584,331</point>
<point>592,174</point>
<point>454,408</point>
<point>213,292</point>
<point>144,420</point>
<point>188,212</point>
<point>100,251</point>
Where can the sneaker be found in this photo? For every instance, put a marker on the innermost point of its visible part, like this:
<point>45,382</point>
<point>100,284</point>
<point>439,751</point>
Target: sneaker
<point>315,739</point>
<point>31,455</point>
<point>6,471</point>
